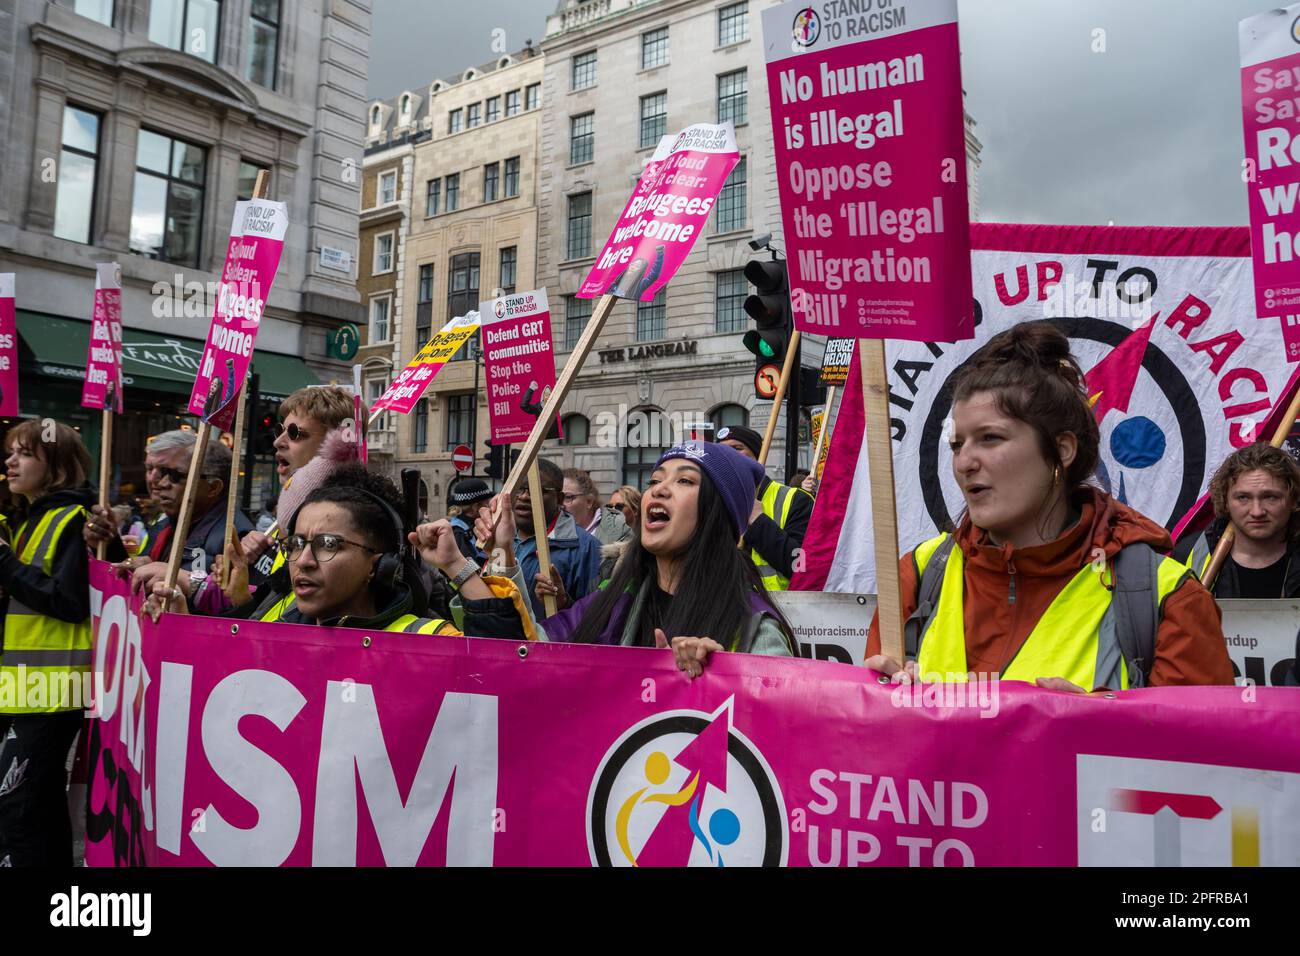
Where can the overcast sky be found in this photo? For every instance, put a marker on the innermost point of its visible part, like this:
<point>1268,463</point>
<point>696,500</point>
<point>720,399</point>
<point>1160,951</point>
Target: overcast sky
<point>1146,133</point>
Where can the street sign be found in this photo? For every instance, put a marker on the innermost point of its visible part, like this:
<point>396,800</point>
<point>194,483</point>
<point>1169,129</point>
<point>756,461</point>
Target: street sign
<point>766,380</point>
<point>462,458</point>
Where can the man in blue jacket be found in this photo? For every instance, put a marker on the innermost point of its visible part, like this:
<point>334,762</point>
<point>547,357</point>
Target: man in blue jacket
<point>575,554</point>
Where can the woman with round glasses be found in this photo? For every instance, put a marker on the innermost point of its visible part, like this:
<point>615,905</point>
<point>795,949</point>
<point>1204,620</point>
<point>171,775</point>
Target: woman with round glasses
<point>345,568</point>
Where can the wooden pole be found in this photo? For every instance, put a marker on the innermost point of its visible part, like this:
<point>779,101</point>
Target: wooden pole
<point>884,519</point>
<point>539,533</point>
<point>551,407</point>
<point>232,486</point>
<point>790,352</point>
<point>1225,543</point>
<point>825,430</point>
<point>105,467</point>
<point>183,517</point>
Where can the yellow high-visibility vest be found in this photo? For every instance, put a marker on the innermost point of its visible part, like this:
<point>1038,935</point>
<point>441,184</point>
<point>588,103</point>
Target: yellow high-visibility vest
<point>47,649</point>
<point>1075,638</point>
<point>407,623</point>
<point>776,502</point>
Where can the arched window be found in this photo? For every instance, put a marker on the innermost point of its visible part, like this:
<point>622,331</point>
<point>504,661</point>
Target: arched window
<point>577,430</point>
<point>646,434</point>
<point>374,118</point>
<point>406,107</point>
<point>725,415</point>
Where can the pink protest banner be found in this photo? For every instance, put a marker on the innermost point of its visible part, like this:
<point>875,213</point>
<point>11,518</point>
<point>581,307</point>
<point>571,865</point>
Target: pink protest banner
<point>407,388</point>
<point>1270,74</point>
<point>665,214</point>
<point>869,132</point>
<point>252,258</point>
<point>8,348</point>
<point>518,361</point>
<point>103,385</point>
<point>284,744</point>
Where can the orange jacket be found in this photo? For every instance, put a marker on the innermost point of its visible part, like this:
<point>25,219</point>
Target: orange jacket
<point>1190,648</point>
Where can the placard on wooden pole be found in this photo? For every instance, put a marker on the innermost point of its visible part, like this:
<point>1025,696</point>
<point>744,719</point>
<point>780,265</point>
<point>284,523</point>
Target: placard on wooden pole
<point>884,518</point>
<point>202,437</point>
<point>824,432</point>
<point>105,464</point>
<point>539,534</point>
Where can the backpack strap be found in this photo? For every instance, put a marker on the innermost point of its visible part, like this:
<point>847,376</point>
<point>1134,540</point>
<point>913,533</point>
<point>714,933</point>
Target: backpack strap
<point>927,597</point>
<point>1136,604</point>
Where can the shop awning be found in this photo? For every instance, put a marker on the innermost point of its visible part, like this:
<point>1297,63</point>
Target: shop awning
<point>55,346</point>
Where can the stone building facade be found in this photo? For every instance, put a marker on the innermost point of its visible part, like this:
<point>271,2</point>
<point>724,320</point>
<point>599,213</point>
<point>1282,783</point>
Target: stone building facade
<point>132,127</point>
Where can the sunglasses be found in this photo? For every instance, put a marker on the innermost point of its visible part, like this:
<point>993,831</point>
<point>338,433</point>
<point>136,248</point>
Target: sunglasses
<point>173,475</point>
<point>296,434</point>
<point>323,546</point>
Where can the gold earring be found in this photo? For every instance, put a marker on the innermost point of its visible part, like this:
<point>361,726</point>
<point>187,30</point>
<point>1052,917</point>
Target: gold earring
<point>1056,475</point>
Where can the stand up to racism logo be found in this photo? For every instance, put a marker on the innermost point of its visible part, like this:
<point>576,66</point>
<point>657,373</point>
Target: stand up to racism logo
<point>685,788</point>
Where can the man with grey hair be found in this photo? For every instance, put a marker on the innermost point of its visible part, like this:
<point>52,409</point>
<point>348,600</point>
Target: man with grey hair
<point>167,462</point>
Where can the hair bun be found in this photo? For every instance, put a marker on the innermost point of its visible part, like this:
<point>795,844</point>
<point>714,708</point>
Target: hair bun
<point>1035,344</point>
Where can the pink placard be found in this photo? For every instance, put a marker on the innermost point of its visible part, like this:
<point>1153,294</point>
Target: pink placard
<point>8,348</point>
<point>668,210</point>
<point>103,385</point>
<point>252,258</point>
<point>1270,74</point>
<point>287,744</point>
<point>518,362</point>
<point>869,135</point>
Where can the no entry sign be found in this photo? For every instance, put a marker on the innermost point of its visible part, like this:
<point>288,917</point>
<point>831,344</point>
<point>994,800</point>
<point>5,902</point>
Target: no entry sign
<point>462,458</point>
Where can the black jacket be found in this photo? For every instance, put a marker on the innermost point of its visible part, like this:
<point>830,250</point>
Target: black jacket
<point>63,594</point>
<point>778,545</point>
<point>1227,585</point>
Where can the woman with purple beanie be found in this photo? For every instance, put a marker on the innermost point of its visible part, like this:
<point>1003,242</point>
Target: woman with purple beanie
<point>684,582</point>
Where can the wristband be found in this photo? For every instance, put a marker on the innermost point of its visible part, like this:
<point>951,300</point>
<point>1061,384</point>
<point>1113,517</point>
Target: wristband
<point>467,570</point>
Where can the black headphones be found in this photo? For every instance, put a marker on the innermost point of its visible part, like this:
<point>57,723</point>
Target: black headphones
<point>388,569</point>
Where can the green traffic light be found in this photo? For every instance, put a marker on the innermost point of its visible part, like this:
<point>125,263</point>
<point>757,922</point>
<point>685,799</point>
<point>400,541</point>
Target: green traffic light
<point>765,349</point>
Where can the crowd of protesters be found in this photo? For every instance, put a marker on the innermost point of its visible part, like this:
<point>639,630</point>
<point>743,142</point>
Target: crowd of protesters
<point>689,563</point>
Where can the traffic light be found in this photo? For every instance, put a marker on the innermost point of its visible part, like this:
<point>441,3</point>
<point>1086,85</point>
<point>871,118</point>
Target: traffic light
<point>263,437</point>
<point>769,307</point>
<point>496,461</point>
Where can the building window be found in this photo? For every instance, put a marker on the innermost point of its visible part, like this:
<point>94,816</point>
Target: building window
<point>420,428</point>
<point>576,313</point>
<point>247,184</point>
<point>654,118</point>
<point>491,181</point>
<point>433,197</point>
<point>74,204</point>
<point>387,187</point>
<point>383,259</point>
<point>454,120</point>
<point>512,177</point>
<point>424,305</point>
<point>380,307</point>
<point>374,389</point>
<point>582,71</point>
<point>579,244</point>
<point>191,26</point>
<point>460,418</point>
<point>650,434</point>
<point>453,192</point>
<point>652,318</point>
<point>167,204</point>
<point>472,113</point>
<point>733,23</point>
<point>512,103</point>
<point>509,268</point>
<point>462,293</point>
<point>375,114</point>
<point>264,42</point>
<point>101,10</point>
<point>494,109</point>
<point>533,96</point>
<point>729,314</point>
<point>733,201</point>
<point>654,48</point>
<point>576,428</point>
<point>733,97</point>
<point>726,415</point>
<point>582,139</point>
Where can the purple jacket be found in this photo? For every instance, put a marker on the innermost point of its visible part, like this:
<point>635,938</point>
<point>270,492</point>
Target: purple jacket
<point>561,626</point>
